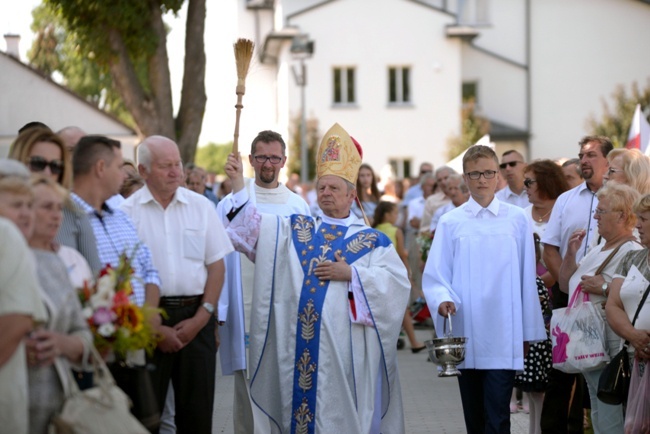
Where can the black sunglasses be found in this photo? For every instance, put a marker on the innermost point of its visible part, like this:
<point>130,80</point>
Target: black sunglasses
<point>38,164</point>
<point>511,164</point>
<point>528,182</point>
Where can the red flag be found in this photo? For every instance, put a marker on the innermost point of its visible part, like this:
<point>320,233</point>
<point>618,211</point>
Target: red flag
<point>639,134</point>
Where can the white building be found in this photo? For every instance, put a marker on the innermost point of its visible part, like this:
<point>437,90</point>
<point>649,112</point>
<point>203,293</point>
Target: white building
<point>393,72</point>
<point>26,96</point>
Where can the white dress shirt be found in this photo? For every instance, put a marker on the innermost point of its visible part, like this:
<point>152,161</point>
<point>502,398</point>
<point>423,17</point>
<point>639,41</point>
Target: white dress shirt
<point>573,210</point>
<point>509,196</point>
<point>184,238</point>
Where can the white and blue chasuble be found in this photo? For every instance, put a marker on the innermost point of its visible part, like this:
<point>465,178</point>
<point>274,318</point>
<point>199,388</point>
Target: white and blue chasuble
<point>314,368</point>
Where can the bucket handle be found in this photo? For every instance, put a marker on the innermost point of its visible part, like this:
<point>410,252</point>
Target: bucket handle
<point>444,327</point>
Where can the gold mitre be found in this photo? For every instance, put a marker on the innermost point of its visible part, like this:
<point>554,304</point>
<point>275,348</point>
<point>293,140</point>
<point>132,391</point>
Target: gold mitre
<point>338,155</point>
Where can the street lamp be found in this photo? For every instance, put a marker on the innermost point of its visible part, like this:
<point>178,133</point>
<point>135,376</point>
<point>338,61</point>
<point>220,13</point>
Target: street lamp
<point>301,49</point>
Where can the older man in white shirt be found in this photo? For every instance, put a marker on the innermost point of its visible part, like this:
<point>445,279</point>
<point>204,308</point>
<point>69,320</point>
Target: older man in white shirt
<point>188,243</point>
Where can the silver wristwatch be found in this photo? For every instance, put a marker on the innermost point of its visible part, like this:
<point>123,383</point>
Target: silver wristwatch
<point>209,307</point>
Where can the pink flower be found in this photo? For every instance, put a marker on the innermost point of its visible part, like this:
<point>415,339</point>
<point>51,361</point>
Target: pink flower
<point>103,315</point>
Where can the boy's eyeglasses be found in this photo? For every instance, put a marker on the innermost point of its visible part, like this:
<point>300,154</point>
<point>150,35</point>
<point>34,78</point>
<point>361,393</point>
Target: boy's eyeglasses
<point>529,182</point>
<point>274,159</point>
<point>38,164</point>
<point>488,174</point>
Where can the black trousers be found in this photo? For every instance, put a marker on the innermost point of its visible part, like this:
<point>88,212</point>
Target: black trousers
<point>561,412</point>
<point>192,372</point>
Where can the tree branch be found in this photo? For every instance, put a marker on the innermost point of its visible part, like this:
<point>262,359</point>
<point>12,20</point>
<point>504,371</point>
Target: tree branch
<point>127,84</point>
<point>189,120</point>
<point>159,77</point>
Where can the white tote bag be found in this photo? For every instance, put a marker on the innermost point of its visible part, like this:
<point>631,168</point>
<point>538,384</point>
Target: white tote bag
<point>578,336</point>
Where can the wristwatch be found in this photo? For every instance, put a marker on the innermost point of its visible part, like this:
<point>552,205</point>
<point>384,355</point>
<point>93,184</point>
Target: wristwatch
<point>604,288</point>
<point>209,307</point>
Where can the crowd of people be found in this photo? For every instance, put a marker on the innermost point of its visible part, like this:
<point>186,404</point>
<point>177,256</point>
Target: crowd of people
<point>304,299</point>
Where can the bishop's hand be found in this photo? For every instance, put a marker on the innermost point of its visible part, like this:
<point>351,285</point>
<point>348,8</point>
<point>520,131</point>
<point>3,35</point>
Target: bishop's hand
<point>338,270</point>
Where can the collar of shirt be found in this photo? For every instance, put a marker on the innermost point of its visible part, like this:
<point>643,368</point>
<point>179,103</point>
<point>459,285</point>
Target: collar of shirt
<point>348,221</point>
<point>582,188</point>
<point>180,195</point>
<point>474,207</point>
<point>509,192</point>
<point>85,206</point>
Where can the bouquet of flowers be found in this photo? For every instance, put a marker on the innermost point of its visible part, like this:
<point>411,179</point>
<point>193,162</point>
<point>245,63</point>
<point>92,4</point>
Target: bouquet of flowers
<point>118,325</point>
<point>425,240</point>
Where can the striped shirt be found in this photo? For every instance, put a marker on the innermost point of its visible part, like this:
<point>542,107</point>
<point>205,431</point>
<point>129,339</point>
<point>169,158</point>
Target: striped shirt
<point>115,234</point>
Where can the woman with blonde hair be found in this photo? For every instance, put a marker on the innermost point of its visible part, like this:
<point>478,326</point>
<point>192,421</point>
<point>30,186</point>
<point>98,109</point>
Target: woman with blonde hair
<point>44,153</point>
<point>65,338</point>
<point>616,220</point>
<point>631,167</point>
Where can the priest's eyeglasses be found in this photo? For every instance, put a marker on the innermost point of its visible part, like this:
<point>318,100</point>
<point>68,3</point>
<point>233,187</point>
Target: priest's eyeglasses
<point>274,159</point>
<point>488,174</point>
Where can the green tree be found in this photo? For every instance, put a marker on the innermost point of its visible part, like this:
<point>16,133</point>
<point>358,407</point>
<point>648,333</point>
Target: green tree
<point>57,52</point>
<point>617,118</point>
<point>295,151</point>
<point>126,40</point>
<point>212,157</point>
<point>473,128</point>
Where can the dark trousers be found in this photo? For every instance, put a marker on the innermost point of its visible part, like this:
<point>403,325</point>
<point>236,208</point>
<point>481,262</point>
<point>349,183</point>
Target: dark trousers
<point>192,372</point>
<point>562,409</point>
<point>485,394</point>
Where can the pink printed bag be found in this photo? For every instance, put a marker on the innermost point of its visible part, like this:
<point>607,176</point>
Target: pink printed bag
<point>578,336</point>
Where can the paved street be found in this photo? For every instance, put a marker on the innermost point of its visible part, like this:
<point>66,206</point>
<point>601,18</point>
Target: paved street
<point>431,404</point>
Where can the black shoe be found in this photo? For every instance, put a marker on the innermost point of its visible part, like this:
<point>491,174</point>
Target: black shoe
<point>417,350</point>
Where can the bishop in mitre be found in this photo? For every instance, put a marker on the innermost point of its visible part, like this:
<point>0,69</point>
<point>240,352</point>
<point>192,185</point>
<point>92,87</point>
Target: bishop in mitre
<point>328,303</point>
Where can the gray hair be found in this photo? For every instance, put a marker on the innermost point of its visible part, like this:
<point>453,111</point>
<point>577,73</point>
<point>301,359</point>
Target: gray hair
<point>144,155</point>
<point>10,167</point>
<point>442,169</point>
<point>427,176</point>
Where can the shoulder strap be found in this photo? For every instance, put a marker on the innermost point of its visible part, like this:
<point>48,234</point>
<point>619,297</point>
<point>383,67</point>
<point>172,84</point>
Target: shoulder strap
<point>608,259</point>
<point>643,299</point>
<point>638,309</point>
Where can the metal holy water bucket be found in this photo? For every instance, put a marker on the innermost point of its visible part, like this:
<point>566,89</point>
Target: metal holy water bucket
<point>447,352</point>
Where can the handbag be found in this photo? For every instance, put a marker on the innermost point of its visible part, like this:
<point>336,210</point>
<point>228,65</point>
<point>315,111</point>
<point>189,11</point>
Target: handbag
<point>614,381</point>
<point>102,409</point>
<point>578,336</point>
<point>135,381</point>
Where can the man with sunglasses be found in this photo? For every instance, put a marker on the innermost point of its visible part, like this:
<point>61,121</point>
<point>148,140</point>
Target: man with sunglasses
<point>267,158</point>
<point>512,169</point>
<point>573,210</point>
<point>481,269</point>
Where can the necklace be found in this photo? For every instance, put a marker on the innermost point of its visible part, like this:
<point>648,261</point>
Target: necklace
<point>541,219</point>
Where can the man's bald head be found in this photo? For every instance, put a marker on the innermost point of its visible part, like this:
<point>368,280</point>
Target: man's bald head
<point>71,136</point>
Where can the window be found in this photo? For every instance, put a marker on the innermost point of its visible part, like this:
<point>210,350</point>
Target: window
<point>401,167</point>
<point>344,92</point>
<point>399,85</point>
<point>470,91</point>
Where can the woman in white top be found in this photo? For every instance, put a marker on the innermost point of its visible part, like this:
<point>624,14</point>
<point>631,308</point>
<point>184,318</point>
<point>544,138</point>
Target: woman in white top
<point>616,222</point>
<point>630,282</point>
